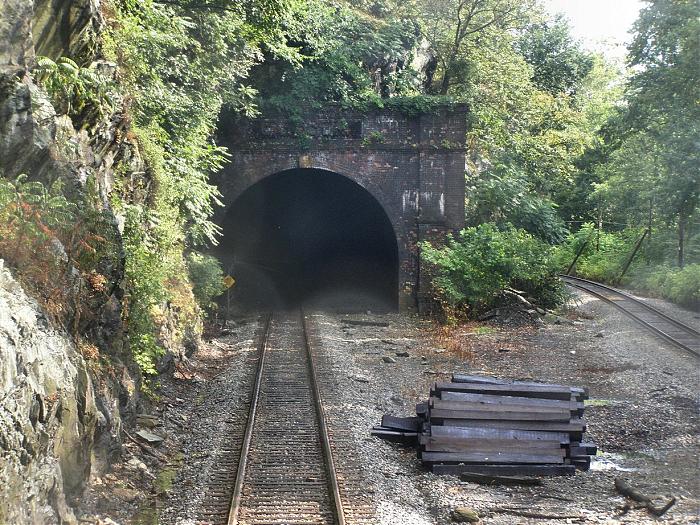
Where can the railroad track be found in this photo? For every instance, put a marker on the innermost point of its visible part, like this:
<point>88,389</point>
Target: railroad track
<point>285,473</point>
<point>669,329</point>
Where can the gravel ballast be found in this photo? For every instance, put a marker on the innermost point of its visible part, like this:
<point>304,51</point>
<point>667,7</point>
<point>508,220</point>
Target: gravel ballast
<point>642,415</point>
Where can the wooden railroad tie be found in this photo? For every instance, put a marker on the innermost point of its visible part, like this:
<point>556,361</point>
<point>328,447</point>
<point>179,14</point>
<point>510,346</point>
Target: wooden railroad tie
<point>494,429</point>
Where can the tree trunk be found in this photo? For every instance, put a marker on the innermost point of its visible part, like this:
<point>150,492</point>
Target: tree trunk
<point>600,227</point>
<point>445,82</point>
<point>681,238</point>
<point>650,221</point>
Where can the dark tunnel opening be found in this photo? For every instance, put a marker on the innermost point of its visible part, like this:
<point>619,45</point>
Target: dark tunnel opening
<point>310,237</point>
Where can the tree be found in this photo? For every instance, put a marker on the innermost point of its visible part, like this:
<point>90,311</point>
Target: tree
<point>657,142</point>
<point>455,27</point>
<point>559,64</point>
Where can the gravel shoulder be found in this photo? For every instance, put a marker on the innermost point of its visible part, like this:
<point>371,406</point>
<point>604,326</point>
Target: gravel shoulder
<point>643,415</point>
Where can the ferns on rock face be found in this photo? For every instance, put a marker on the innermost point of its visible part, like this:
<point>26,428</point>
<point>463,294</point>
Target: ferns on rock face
<point>79,92</point>
<point>57,247</point>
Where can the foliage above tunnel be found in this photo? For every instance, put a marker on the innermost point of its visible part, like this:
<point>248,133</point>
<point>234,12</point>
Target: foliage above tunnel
<point>558,136</point>
<point>178,63</point>
<point>349,55</point>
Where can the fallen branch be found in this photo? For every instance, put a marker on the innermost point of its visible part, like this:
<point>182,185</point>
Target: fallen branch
<point>517,295</point>
<point>629,491</point>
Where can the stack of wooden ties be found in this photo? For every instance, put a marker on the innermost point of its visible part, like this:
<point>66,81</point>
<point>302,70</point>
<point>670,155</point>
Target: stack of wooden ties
<point>484,425</point>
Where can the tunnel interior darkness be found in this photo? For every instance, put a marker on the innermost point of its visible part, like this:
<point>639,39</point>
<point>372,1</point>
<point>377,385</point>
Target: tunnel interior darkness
<point>310,237</point>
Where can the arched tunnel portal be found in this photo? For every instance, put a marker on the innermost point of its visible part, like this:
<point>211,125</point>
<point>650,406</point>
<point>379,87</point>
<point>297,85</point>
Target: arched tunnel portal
<point>310,236</point>
<point>333,207</point>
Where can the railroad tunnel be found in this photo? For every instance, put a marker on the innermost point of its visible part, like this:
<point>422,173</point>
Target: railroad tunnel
<point>310,237</point>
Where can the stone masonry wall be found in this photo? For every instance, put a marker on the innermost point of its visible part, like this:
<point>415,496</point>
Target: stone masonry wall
<point>412,165</point>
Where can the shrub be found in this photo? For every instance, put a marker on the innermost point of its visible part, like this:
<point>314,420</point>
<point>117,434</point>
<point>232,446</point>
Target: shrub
<point>473,269</point>
<point>56,246</point>
<point>603,256</point>
<point>681,286</point>
<point>207,278</point>
<point>144,274</point>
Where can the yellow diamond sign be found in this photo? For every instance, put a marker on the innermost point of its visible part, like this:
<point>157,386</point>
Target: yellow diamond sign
<point>229,281</point>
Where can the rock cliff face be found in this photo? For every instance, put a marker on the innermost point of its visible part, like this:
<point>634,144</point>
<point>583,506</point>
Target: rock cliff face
<point>47,413</point>
<point>16,46</point>
<point>59,420</point>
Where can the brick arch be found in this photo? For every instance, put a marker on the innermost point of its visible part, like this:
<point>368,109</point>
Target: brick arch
<point>413,166</point>
<point>232,192</point>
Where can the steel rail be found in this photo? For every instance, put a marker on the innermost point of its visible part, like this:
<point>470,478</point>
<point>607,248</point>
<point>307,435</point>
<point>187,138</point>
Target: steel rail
<point>333,485</point>
<point>332,479</point>
<point>590,288</point>
<point>245,447</point>
<point>648,307</point>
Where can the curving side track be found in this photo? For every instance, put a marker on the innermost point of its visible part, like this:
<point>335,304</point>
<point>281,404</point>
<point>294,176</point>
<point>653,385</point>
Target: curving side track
<point>285,474</point>
<point>669,329</point>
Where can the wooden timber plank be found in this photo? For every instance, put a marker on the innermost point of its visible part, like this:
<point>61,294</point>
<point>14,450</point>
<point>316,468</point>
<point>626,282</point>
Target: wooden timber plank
<point>583,463</point>
<point>538,447</point>
<point>490,443</point>
<point>490,479</point>
<point>376,431</point>
<point>509,389</point>
<point>443,414</point>
<point>574,428</point>
<point>411,424</point>
<point>570,404</point>
<point>499,407</point>
<point>506,470</point>
<point>466,378</point>
<point>498,433</point>
<point>582,450</point>
<point>379,427</point>
<point>396,436</point>
<point>494,457</point>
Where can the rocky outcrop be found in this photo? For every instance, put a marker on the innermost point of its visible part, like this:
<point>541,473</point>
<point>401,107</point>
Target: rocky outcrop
<point>27,130</point>
<point>16,45</point>
<point>63,27</point>
<point>47,413</point>
<point>44,27</point>
<point>60,421</point>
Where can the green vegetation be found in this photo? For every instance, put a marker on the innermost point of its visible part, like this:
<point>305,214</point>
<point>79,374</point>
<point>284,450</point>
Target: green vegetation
<point>681,285</point>
<point>643,172</point>
<point>474,269</point>
<point>604,255</point>
<point>207,278</point>
<point>564,147</point>
<point>562,140</point>
<point>80,92</point>
<point>179,63</point>
<point>166,70</point>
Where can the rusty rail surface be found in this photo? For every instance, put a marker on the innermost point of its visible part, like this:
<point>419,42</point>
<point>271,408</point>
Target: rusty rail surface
<point>286,471</point>
<point>669,329</point>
